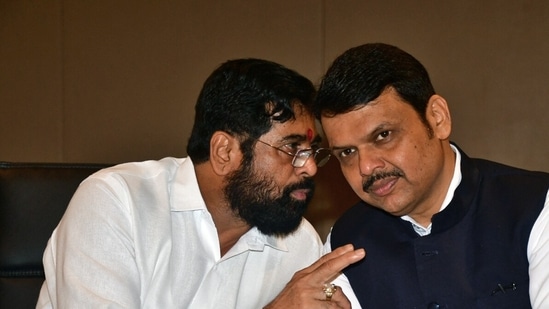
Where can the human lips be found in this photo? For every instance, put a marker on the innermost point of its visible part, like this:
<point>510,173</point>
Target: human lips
<point>382,187</point>
<point>300,194</point>
<point>382,182</point>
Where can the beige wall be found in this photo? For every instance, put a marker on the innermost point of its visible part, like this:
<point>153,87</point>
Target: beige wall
<point>114,81</point>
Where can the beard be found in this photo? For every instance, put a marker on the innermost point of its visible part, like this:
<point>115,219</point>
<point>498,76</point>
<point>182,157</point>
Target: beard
<point>258,201</point>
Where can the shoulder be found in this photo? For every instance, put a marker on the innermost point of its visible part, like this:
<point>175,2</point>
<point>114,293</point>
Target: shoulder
<point>512,179</point>
<point>144,169</point>
<point>489,168</point>
<point>505,177</point>
<point>125,176</point>
<point>499,169</point>
<point>141,186</point>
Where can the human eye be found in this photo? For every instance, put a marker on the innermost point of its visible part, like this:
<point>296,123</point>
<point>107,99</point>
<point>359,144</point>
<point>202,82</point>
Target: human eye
<point>293,147</point>
<point>383,136</point>
<point>344,153</point>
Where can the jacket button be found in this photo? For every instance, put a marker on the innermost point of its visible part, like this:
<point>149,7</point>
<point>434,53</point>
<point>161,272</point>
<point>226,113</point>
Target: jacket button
<point>433,305</point>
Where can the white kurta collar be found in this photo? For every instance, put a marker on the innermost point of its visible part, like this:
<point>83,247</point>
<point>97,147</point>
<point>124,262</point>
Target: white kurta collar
<point>185,196</point>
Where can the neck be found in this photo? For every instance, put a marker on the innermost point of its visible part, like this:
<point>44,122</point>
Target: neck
<point>229,227</point>
<point>434,205</point>
<point>229,237</point>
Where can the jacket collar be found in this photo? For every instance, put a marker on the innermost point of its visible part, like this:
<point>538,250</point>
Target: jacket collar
<point>463,198</point>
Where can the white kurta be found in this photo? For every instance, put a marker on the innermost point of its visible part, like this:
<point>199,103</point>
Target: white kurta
<point>138,235</point>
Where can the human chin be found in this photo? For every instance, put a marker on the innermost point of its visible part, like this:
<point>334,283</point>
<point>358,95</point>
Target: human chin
<point>251,198</point>
<point>282,216</point>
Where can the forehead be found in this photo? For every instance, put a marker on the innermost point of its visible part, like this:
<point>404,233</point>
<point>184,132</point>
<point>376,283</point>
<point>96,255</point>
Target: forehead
<point>303,125</point>
<point>388,109</point>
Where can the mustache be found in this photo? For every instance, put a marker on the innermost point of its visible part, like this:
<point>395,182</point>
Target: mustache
<point>368,182</point>
<point>307,183</point>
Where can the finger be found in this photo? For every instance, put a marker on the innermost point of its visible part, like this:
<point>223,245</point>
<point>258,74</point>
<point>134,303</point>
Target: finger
<point>332,267</point>
<point>332,255</point>
<point>340,298</point>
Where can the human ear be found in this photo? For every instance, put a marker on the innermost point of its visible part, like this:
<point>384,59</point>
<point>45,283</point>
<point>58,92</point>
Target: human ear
<point>438,116</point>
<point>225,153</point>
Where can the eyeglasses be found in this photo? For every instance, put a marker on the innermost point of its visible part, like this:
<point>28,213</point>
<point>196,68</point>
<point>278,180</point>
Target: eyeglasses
<point>320,155</point>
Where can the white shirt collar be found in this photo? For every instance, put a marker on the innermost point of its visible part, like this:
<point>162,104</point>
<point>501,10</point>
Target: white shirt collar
<point>186,196</point>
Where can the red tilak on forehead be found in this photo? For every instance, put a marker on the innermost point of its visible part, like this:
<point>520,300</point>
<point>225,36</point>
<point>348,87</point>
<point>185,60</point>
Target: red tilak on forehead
<point>309,134</point>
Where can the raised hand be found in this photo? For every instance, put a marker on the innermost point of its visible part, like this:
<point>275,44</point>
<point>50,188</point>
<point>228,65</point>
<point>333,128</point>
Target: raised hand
<point>311,287</point>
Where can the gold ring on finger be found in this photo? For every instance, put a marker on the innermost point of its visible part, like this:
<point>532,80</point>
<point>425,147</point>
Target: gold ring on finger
<point>329,290</point>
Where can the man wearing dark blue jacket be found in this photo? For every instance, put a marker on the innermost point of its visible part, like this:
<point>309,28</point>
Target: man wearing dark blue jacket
<point>441,230</point>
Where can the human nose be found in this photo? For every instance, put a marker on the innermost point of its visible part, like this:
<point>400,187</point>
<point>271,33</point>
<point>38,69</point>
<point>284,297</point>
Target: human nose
<point>368,162</point>
<point>309,168</point>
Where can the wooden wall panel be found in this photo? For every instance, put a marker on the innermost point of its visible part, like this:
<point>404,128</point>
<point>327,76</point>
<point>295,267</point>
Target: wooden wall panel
<point>31,82</point>
<point>103,81</point>
<point>488,59</point>
<point>134,69</point>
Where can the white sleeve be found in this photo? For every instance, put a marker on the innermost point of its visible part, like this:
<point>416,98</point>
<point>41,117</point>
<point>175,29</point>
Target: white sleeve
<point>342,281</point>
<point>90,258</point>
<point>538,258</point>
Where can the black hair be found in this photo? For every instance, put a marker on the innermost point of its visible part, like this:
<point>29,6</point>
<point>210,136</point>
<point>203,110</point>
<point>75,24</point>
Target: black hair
<point>243,97</point>
<point>362,73</point>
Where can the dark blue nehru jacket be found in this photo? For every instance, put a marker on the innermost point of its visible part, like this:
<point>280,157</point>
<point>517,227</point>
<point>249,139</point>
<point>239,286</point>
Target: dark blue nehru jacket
<point>475,256</point>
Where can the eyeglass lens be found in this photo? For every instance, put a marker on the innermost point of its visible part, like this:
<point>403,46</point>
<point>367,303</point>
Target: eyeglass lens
<point>321,156</point>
